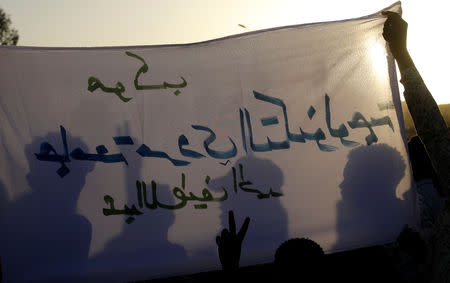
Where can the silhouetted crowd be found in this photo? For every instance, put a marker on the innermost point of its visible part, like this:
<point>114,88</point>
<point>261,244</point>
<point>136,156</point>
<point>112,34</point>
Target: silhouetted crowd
<point>415,256</point>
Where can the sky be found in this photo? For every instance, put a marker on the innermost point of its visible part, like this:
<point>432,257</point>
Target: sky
<point>87,23</point>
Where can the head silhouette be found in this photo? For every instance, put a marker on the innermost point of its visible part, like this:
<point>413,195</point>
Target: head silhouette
<point>372,173</point>
<point>299,259</point>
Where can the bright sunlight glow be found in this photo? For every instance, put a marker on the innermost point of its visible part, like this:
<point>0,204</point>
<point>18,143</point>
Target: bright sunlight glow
<point>147,22</point>
<point>378,55</point>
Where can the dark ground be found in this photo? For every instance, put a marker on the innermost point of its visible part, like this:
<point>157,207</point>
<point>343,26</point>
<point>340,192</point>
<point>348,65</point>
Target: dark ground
<point>373,264</point>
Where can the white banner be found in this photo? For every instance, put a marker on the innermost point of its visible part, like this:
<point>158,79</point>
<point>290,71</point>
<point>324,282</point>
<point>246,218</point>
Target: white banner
<point>122,163</point>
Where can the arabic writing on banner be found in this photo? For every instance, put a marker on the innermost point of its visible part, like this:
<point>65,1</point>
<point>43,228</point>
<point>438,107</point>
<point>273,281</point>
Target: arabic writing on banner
<point>48,153</point>
<point>122,163</point>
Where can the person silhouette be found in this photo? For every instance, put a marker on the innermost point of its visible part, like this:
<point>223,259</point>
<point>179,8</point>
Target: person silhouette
<point>368,192</point>
<point>44,238</point>
<point>427,186</point>
<point>248,176</point>
<point>369,211</point>
<point>142,250</point>
<point>435,136</point>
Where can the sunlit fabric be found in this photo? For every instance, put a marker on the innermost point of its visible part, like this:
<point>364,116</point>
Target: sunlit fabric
<point>121,164</point>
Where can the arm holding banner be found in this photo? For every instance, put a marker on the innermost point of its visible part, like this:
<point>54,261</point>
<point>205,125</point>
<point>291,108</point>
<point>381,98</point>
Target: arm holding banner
<point>428,120</point>
<point>434,134</point>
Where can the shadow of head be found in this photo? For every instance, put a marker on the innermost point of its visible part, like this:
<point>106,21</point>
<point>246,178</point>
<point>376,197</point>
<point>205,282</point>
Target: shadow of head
<point>372,174</point>
<point>43,177</point>
<point>260,175</point>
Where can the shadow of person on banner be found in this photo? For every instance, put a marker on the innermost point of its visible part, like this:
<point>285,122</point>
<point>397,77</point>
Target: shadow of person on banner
<point>370,213</point>
<point>255,188</point>
<point>44,237</point>
<point>142,249</point>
